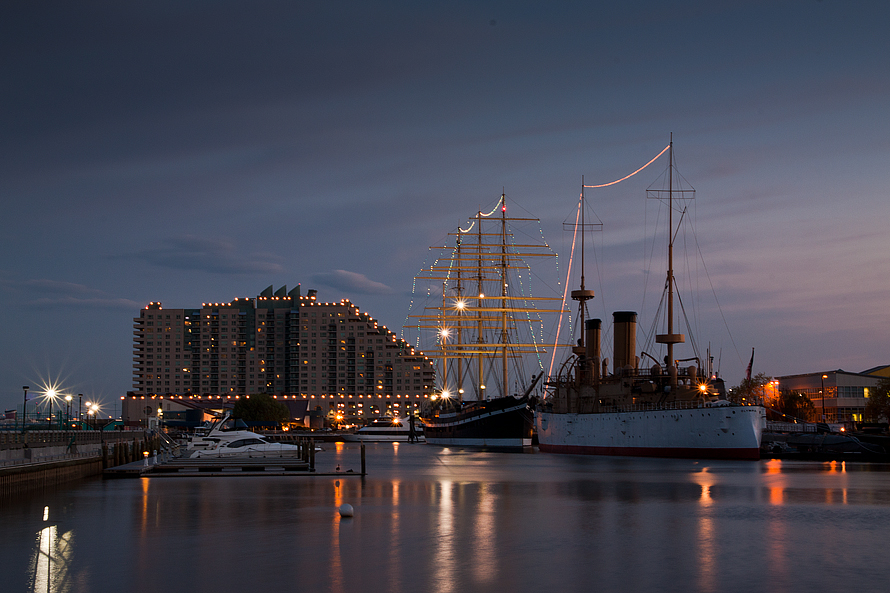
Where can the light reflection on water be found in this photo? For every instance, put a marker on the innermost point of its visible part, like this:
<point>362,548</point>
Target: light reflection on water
<point>50,562</point>
<point>446,520</point>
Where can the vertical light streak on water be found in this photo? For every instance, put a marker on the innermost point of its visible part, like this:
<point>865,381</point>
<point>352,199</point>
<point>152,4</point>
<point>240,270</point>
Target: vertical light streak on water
<point>484,545</point>
<point>144,515</point>
<point>444,554</point>
<point>43,568</point>
<point>336,571</point>
<point>395,552</point>
<point>775,482</point>
<point>707,537</point>
<point>776,532</point>
<point>837,469</point>
<point>51,559</point>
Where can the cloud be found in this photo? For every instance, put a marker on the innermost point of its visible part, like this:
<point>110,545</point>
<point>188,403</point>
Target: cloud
<point>217,256</point>
<point>45,292</point>
<point>351,282</point>
<point>99,303</point>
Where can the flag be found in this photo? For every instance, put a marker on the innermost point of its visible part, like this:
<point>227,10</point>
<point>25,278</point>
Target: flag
<point>10,414</point>
<point>750,364</point>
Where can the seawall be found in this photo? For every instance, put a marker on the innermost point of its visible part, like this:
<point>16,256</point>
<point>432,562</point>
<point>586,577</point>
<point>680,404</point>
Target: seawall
<point>32,461</point>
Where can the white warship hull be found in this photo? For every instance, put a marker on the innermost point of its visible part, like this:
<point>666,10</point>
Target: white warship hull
<point>710,432</point>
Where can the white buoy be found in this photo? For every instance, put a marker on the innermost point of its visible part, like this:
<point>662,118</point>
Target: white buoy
<point>346,510</point>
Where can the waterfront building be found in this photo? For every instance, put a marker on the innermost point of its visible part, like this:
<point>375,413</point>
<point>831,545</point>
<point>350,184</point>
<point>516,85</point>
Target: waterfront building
<point>314,356</point>
<point>837,396</point>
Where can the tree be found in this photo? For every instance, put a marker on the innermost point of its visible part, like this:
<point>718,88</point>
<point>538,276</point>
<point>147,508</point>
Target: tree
<point>791,405</point>
<point>750,391</point>
<point>877,409</point>
<point>260,408</point>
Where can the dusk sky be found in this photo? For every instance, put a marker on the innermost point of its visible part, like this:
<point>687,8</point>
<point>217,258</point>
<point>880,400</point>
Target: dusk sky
<point>190,152</point>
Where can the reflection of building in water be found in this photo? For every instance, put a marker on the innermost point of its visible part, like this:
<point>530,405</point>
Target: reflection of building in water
<point>845,393</point>
<point>51,559</point>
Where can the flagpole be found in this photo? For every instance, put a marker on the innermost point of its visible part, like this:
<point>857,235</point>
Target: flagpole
<point>750,364</point>
<point>24,407</point>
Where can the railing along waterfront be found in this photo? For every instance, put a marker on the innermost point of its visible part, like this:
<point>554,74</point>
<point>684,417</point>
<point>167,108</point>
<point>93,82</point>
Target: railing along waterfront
<point>774,426</point>
<point>4,463</point>
<point>46,438</point>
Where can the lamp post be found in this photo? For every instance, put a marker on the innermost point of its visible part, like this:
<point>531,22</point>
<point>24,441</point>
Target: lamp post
<point>24,405</point>
<point>80,408</point>
<point>823,397</point>
<point>68,399</point>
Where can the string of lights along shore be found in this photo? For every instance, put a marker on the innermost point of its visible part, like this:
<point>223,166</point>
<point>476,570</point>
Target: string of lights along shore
<point>303,352</point>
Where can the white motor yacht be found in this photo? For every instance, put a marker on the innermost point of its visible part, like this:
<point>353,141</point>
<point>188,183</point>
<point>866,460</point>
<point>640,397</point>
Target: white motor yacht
<point>236,443</point>
<point>388,430</point>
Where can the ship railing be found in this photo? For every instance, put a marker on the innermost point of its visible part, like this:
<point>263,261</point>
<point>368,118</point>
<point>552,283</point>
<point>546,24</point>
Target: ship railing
<point>650,407</point>
<point>682,373</point>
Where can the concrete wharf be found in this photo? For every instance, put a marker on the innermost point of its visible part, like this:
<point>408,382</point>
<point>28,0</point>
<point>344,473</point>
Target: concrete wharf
<point>39,459</point>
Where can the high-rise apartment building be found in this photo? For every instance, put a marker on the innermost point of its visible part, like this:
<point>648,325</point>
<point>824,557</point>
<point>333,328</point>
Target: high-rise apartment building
<point>284,344</point>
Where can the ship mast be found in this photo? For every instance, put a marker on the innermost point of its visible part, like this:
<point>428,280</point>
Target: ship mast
<point>670,338</point>
<point>460,311</point>
<point>479,332</point>
<point>505,338</point>
<point>480,323</point>
<point>582,295</point>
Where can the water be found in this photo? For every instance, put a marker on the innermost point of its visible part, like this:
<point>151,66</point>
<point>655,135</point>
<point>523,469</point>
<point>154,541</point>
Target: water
<point>439,520</point>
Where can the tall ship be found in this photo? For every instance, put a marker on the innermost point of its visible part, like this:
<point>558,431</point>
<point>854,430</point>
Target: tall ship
<point>485,332</point>
<point>644,405</point>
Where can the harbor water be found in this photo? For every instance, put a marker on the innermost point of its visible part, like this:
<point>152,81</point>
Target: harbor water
<point>452,521</point>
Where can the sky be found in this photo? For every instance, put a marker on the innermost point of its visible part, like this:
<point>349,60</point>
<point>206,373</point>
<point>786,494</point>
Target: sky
<point>190,152</point>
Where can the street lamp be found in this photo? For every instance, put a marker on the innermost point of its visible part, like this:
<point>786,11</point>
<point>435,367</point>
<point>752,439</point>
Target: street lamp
<point>80,407</point>
<point>50,397</point>
<point>823,397</point>
<point>68,399</point>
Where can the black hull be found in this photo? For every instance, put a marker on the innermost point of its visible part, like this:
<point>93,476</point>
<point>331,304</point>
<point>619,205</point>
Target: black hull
<point>503,423</point>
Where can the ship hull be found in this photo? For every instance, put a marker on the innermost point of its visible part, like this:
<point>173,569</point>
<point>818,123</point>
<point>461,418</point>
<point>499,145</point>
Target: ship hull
<point>719,432</point>
<point>504,423</point>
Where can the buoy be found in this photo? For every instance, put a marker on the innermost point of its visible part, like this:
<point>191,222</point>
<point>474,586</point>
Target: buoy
<point>346,510</point>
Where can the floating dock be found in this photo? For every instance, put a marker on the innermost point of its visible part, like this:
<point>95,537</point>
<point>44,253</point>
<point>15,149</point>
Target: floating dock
<point>226,466</point>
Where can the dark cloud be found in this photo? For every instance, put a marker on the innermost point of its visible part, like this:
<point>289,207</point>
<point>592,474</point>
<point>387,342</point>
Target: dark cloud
<point>216,256</point>
<point>45,292</point>
<point>351,282</point>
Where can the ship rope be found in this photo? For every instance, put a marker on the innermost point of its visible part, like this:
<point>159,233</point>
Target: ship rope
<point>655,158</point>
<point>574,242</point>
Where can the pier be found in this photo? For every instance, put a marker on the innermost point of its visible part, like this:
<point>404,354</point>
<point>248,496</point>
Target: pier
<point>169,466</point>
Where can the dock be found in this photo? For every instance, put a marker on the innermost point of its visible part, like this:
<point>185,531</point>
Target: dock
<point>165,466</point>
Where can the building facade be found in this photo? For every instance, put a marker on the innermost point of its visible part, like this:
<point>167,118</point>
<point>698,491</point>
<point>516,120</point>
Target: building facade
<point>292,347</point>
<point>837,396</point>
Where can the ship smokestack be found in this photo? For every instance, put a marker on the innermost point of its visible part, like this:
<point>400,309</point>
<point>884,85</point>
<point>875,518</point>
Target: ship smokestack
<point>625,337</point>
<point>592,328</point>
<point>592,338</point>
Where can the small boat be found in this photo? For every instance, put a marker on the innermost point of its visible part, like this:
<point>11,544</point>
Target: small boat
<point>236,443</point>
<point>388,430</point>
<point>248,445</point>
